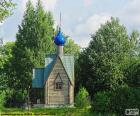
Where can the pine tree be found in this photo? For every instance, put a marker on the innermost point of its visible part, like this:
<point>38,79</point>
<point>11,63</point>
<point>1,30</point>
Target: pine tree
<point>44,33</point>
<point>33,43</point>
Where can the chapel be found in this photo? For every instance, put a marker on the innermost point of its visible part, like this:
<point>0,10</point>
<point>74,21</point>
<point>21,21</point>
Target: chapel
<point>53,85</point>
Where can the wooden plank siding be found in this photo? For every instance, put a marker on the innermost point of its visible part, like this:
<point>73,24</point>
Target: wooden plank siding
<point>63,96</point>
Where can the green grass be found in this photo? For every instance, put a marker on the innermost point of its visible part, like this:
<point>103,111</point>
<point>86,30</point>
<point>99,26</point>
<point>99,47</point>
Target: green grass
<point>51,112</point>
<point>45,111</point>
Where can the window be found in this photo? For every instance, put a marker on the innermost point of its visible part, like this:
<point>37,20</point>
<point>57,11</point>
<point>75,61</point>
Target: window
<point>58,82</point>
<point>58,85</point>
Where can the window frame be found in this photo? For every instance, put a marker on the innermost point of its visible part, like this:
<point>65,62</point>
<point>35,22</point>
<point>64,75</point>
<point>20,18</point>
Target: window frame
<point>58,85</point>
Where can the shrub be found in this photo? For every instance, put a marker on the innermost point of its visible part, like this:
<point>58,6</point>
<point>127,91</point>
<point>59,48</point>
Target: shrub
<point>101,102</point>
<point>117,101</point>
<point>125,98</point>
<point>133,75</point>
<point>2,100</point>
<point>81,99</point>
<point>15,98</point>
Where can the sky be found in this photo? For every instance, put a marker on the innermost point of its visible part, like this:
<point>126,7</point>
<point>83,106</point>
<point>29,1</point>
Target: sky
<point>80,18</point>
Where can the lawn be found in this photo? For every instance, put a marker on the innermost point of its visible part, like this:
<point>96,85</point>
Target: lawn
<point>51,112</point>
<point>46,111</point>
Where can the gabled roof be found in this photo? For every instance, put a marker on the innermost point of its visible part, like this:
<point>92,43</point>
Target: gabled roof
<point>38,78</point>
<point>67,62</point>
<point>40,75</point>
<point>49,63</point>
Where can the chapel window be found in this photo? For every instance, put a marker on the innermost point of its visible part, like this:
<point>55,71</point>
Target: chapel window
<point>58,82</point>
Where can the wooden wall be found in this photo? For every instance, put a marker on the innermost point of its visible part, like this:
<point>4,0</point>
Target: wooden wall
<point>64,96</point>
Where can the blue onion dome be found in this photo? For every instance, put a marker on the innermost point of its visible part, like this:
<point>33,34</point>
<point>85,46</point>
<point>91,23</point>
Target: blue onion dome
<point>59,39</point>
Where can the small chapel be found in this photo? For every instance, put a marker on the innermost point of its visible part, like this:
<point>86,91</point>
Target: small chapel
<point>53,85</point>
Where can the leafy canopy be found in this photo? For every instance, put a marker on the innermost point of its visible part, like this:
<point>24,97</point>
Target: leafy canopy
<point>6,7</point>
<point>102,63</point>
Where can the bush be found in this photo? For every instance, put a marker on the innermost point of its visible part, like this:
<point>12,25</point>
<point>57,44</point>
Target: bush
<point>125,98</point>
<point>133,75</point>
<point>2,100</point>
<point>117,101</point>
<point>81,99</point>
<point>101,102</point>
<point>15,98</point>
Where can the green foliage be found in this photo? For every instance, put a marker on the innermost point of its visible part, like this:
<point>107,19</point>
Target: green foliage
<point>101,102</point>
<point>117,100</point>
<point>34,41</point>
<point>15,98</point>
<point>125,98</point>
<point>134,44</point>
<point>81,99</point>
<point>109,53</point>
<point>133,74</point>
<point>71,47</point>
<point>111,68</point>
<point>6,7</point>
<point>5,56</point>
<point>5,53</point>
<point>2,100</point>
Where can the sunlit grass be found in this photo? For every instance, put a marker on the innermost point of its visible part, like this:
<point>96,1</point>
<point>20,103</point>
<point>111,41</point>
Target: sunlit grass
<point>51,112</point>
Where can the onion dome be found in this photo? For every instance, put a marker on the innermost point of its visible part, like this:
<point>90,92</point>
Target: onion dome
<point>59,39</point>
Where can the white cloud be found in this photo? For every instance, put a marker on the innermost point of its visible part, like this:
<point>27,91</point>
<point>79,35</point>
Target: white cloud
<point>1,23</point>
<point>130,13</point>
<point>91,25</point>
<point>49,5</point>
<point>88,2</point>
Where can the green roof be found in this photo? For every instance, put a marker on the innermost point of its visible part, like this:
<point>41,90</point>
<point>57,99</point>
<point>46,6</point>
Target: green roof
<point>68,63</point>
<point>40,76</point>
<point>49,62</point>
<point>37,80</point>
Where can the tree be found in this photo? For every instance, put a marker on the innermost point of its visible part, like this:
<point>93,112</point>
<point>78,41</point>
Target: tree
<point>132,74</point>
<point>44,34</point>
<point>34,39</point>
<point>21,53</point>
<point>5,56</point>
<point>103,61</point>
<point>135,44</point>
<point>2,100</point>
<point>71,47</point>
<point>6,7</point>
<point>81,99</point>
<point>101,102</point>
<point>124,98</point>
<point>131,71</point>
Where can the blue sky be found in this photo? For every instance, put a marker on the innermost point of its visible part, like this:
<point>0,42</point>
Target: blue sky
<point>80,18</point>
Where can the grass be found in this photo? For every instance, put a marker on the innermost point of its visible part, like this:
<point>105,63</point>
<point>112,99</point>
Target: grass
<point>45,111</point>
<point>51,112</point>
